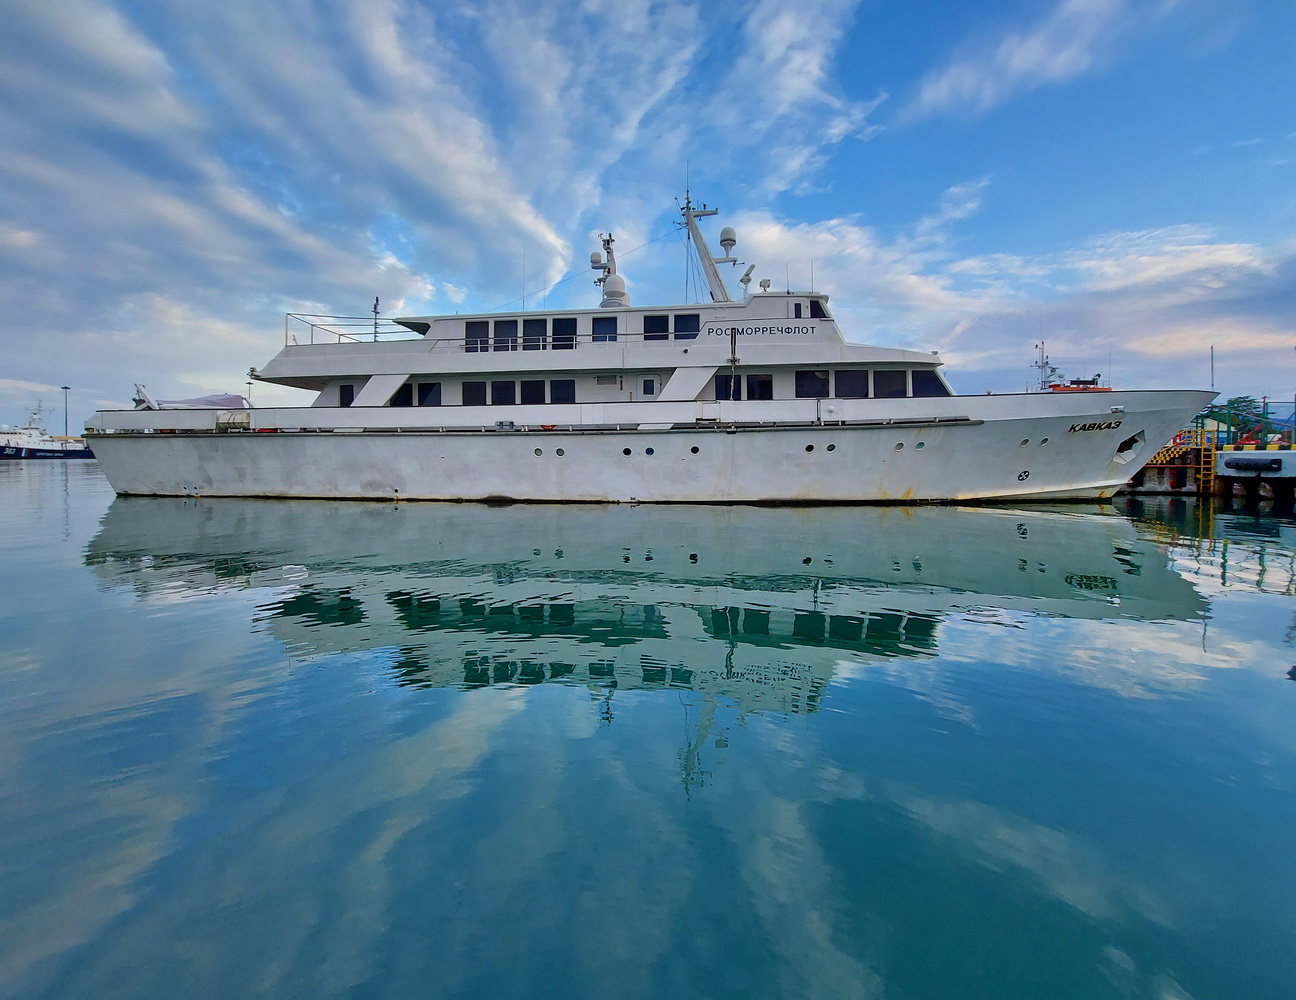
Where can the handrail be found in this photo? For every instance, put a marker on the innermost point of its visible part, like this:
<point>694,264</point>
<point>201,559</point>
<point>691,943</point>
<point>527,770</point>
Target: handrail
<point>326,329</point>
<point>356,329</point>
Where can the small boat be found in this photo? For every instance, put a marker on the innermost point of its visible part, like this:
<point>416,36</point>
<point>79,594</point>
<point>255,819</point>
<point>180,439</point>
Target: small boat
<point>759,399</point>
<point>31,441</point>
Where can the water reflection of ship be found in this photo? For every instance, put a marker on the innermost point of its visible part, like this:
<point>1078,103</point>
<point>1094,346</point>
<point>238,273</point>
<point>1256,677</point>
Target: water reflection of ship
<point>756,605</point>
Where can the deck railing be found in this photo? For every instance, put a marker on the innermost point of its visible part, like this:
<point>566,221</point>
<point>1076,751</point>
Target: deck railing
<point>309,328</point>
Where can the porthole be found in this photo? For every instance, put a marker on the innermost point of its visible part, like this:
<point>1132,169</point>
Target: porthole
<point>1043,442</point>
<point>625,451</point>
<point>1025,442</point>
<point>694,449</point>
<point>832,447</point>
<point>648,451</point>
<point>560,453</point>
<point>539,451</point>
<point>920,446</point>
<point>899,446</point>
<point>809,447</point>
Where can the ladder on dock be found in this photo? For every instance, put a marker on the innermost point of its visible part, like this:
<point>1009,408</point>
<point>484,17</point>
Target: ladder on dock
<point>1204,443</point>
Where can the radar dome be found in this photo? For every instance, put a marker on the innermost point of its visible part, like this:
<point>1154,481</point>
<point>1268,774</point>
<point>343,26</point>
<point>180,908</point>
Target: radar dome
<point>614,292</point>
<point>728,238</point>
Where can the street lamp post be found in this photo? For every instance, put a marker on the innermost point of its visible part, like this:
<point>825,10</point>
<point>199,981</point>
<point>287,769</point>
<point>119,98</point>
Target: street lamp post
<point>65,424</point>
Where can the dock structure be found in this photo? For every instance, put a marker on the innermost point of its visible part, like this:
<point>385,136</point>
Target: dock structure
<point>1222,455</point>
<point>1255,468</point>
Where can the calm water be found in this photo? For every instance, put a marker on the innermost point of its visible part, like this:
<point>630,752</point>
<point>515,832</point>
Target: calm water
<point>304,749</point>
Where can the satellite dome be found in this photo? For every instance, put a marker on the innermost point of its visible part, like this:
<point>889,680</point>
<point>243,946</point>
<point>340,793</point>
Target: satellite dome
<point>614,292</point>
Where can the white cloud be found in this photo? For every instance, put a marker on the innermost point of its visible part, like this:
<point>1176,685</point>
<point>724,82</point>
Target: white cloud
<point>1074,38</point>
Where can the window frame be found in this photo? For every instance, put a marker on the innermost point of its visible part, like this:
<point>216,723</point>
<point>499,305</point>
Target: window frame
<point>801,376</point>
<point>535,333</point>
<point>562,334</point>
<point>476,336</point>
<point>603,329</point>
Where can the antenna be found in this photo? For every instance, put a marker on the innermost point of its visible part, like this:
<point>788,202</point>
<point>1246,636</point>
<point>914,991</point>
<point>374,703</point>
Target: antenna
<point>375,312</point>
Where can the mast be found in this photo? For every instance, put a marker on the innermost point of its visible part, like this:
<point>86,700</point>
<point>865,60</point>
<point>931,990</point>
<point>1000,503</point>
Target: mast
<point>716,284</point>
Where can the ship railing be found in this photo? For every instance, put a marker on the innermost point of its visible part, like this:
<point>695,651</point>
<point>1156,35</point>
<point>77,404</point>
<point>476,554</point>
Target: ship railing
<point>301,329</point>
<point>625,415</point>
<point>310,328</point>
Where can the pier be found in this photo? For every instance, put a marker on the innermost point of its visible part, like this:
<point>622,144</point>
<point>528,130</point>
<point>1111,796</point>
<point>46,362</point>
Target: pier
<point>1231,452</point>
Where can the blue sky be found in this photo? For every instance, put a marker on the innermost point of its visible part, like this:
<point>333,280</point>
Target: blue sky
<point>1116,176</point>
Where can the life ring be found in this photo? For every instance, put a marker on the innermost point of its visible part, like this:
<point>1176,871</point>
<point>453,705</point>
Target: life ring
<point>547,427</point>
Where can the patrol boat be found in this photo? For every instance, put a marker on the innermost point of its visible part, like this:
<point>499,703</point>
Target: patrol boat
<point>754,400</point>
<point>31,440</point>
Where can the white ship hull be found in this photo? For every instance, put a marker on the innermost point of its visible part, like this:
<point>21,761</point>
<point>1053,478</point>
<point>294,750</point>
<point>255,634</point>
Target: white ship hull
<point>1029,446</point>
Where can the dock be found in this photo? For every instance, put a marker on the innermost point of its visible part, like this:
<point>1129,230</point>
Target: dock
<point>1249,457</point>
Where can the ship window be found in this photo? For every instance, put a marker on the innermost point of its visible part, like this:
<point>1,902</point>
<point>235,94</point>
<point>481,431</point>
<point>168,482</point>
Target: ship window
<point>796,310</point>
<point>928,383</point>
<point>476,334</point>
<point>404,396</point>
<point>811,384</point>
<point>506,335</point>
<point>503,393</point>
<point>564,333</point>
<point>687,326</point>
<point>429,394</point>
<point>474,394</point>
<point>725,388</point>
<point>817,310</point>
<point>533,334</point>
<point>605,329</point>
<point>346,395</point>
<point>562,390</point>
<point>889,383</point>
<point>656,328</point>
<point>650,387</point>
<point>760,386</point>
<point>852,383</point>
<point>533,390</point>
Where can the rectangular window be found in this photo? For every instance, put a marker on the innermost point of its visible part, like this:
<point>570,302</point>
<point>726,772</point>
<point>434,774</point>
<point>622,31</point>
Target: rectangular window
<point>476,336</point>
<point>890,383</point>
<point>346,395</point>
<point>687,326</point>
<point>404,396</point>
<point>796,310</point>
<point>817,310</point>
<point>650,387</point>
<point>928,383</point>
<point>474,394</point>
<point>534,334</point>
<point>656,327</point>
<point>562,390</point>
<point>852,383</point>
<point>760,386</point>
<point>605,329</point>
<point>503,393</point>
<point>564,334</point>
<point>506,335</point>
<point>811,384</point>
<point>725,388</point>
<point>533,390</point>
<point>429,394</point>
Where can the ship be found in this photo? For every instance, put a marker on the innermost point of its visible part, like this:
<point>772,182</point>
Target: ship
<point>32,441</point>
<point>759,399</point>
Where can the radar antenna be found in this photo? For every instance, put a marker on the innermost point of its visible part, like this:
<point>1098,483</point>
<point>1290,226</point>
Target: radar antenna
<point>727,240</point>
